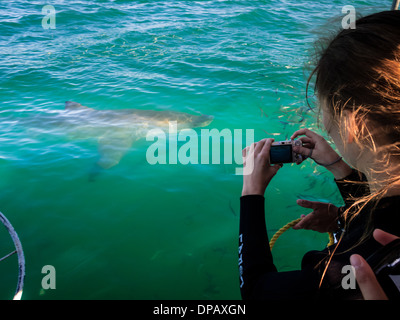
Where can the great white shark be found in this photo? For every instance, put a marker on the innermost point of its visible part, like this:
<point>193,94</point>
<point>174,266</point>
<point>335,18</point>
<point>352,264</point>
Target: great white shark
<point>115,130</point>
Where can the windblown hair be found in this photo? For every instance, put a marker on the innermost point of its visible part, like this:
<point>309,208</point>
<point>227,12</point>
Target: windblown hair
<point>359,71</point>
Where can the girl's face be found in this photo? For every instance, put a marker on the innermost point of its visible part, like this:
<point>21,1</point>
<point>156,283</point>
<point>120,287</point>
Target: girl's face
<point>340,131</point>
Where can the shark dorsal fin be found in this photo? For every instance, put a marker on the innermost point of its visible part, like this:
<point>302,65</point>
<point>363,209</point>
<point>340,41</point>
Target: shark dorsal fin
<point>74,106</point>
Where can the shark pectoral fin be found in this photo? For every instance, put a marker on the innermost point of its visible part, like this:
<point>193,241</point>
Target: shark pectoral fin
<point>112,149</point>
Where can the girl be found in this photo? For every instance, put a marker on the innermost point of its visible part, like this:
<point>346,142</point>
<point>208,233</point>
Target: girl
<point>358,88</point>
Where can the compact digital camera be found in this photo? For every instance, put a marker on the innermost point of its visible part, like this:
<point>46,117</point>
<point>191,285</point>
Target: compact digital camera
<point>282,152</point>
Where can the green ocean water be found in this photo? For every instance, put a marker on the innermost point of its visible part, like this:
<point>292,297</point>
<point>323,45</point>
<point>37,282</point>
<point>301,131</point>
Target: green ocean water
<point>141,231</point>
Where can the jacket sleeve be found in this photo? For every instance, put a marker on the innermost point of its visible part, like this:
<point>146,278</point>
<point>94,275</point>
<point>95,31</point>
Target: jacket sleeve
<point>255,256</point>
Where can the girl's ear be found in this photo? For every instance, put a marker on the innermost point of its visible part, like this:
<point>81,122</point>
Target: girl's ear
<point>351,127</point>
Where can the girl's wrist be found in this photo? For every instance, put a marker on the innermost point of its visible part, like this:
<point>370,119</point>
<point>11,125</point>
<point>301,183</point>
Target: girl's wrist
<point>340,169</point>
<point>251,190</point>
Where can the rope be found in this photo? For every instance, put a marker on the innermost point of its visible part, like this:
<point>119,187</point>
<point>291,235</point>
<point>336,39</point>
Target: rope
<point>331,239</point>
<point>288,226</point>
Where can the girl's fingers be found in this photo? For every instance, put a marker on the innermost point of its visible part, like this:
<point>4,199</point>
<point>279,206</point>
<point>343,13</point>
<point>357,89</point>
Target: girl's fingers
<point>307,142</point>
<point>267,147</point>
<point>383,237</point>
<point>304,223</point>
<point>306,132</point>
<point>259,146</point>
<point>369,285</point>
<point>245,151</point>
<point>306,204</point>
<point>306,152</point>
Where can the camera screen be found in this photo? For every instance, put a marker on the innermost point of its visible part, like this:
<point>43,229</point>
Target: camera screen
<point>281,154</point>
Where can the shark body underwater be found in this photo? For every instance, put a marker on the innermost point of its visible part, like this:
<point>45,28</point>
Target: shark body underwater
<point>116,130</point>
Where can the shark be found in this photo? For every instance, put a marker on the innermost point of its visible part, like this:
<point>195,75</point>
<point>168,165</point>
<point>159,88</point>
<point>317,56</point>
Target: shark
<point>116,130</point>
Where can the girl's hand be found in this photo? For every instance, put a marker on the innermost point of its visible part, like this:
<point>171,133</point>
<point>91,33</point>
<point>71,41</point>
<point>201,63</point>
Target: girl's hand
<point>323,218</point>
<point>256,157</point>
<point>314,147</point>
<point>369,285</point>
<point>318,149</point>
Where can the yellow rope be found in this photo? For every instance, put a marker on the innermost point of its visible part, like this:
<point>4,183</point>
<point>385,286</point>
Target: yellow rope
<point>288,226</point>
<point>331,239</point>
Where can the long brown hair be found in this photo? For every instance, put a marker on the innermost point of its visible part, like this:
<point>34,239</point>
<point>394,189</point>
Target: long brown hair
<point>359,71</point>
